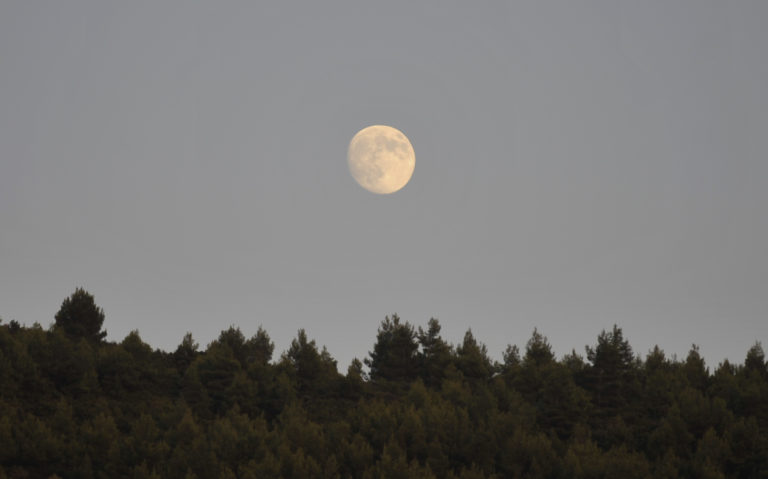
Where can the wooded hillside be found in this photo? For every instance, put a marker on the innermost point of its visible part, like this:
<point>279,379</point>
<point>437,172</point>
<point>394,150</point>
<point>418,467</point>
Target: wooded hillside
<point>73,405</point>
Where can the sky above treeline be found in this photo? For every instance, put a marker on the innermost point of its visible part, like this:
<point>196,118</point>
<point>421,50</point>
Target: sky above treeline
<point>578,164</point>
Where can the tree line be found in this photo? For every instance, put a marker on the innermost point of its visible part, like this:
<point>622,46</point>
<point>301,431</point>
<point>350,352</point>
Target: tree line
<point>73,405</point>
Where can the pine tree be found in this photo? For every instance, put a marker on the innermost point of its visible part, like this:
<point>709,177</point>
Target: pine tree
<point>612,367</point>
<point>435,354</point>
<point>79,317</point>
<point>394,355</point>
<point>538,352</point>
<point>472,358</point>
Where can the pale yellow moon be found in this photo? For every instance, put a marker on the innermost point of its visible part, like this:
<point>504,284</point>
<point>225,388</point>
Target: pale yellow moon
<point>381,159</point>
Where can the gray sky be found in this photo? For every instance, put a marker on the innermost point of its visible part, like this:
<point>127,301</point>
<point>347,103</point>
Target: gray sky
<point>578,164</point>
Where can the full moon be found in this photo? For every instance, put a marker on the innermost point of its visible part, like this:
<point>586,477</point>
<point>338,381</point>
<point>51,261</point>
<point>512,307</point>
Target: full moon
<point>381,159</point>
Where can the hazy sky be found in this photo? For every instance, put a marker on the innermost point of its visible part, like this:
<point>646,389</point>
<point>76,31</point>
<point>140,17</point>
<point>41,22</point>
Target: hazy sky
<point>578,164</point>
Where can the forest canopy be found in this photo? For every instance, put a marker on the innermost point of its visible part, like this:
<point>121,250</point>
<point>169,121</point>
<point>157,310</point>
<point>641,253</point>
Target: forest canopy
<point>75,405</point>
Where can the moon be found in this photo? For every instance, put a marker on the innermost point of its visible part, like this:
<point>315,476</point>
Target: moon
<point>381,159</point>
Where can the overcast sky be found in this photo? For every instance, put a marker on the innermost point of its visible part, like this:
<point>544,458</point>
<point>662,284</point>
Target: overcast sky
<point>578,164</point>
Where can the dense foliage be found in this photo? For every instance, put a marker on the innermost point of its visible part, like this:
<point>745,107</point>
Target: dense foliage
<point>75,406</point>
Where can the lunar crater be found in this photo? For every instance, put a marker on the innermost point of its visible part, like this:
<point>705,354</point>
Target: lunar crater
<point>381,159</point>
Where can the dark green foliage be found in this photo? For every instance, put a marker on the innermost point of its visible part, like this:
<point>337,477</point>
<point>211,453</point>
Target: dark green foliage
<point>695,371</point>
<point>79,317</point>
<point>186,352</point>
<point>613,381</point>
<point>538,352</point>
<point>314,372</point>
<point>394,355</point>
<point>612,371</point>
<point>73,405</point>
<point>435,354</point>
<point>472,359</point>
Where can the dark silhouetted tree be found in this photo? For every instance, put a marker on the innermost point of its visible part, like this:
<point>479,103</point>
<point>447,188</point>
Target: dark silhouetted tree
<point>79,317</point>
<point>435,354</point>
<point>612,360</point>
<point>259,348</point>
<point>755,360</point>
<point>186,352</point>
<point>695,369</point>
<point>472,358</point>
<point>314,371</point>
<point>538,352</point>
<point>394,354</point>
<point>611,378</point>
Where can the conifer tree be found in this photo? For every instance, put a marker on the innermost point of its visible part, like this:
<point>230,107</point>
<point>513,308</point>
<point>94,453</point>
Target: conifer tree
<point>79,317</point>
<point>435,354</point>
<point>612,364</point>
<point>394,355</point>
